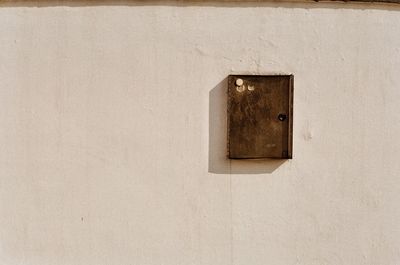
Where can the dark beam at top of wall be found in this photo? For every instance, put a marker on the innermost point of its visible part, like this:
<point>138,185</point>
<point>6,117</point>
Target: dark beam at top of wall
<point>363,1</point>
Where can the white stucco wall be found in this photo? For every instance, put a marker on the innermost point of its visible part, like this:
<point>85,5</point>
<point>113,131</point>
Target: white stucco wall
<point>113,134</point>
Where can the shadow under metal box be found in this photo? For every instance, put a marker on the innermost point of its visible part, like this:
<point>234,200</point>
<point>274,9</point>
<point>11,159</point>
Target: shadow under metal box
<point>260,116</point>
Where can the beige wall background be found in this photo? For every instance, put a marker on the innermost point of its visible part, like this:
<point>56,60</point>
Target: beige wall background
<point>112,134</point>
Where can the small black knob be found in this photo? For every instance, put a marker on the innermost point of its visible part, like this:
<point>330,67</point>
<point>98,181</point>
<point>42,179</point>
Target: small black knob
<point>282,117</point>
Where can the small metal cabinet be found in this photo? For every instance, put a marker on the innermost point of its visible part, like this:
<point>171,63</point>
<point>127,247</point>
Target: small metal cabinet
<point>260,116</point>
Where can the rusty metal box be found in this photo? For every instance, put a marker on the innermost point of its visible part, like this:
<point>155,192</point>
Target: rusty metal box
<point>260,116</point>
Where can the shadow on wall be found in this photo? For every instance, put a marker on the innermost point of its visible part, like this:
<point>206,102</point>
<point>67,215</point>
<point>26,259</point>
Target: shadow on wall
<point>332,4</point>
<point>218,161</point>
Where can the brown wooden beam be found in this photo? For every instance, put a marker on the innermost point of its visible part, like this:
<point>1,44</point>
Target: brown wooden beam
<point>363,1</point>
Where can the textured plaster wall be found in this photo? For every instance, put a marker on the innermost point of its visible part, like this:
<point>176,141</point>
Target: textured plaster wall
<point>112,134</point>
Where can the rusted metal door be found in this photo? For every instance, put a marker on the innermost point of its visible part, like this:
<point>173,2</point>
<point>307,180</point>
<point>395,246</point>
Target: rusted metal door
<point>260,116</point>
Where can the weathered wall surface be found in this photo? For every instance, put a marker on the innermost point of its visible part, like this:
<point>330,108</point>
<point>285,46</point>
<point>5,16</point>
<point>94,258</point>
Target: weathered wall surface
<point>112,134</point>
